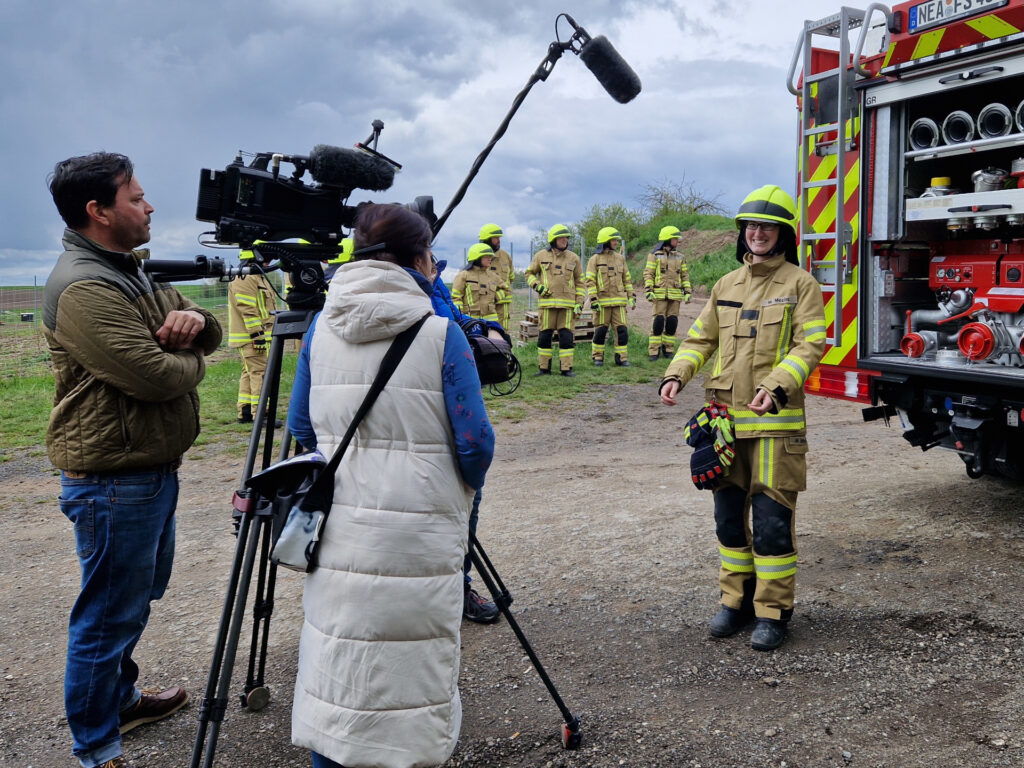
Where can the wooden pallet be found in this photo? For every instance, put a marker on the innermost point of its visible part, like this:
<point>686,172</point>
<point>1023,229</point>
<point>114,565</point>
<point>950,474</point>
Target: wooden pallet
<point>529,329</point>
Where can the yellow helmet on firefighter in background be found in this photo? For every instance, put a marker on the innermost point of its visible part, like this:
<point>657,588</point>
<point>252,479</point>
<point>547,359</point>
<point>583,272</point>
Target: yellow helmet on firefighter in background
<point>487,231</point>
<point>345,254</point>
<point>557,231</point>
<point>606,234</point>
<point>668,232</point>
<point>478,251</point>
<point>247,254</point>
<point>767,203</point>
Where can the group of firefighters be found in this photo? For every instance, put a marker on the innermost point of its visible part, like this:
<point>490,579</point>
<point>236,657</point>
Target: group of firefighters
<point>484,290</point>
<point>764,326</point>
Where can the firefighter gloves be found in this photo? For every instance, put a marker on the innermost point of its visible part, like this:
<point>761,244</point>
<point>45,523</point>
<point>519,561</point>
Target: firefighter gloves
<point>542,290</point>
<point>649,296</point>
<point>709,432</point>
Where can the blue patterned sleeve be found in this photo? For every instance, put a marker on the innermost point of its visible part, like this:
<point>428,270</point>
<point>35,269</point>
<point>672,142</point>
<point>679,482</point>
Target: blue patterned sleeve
<point>299,423</point>
<point>474,437</point>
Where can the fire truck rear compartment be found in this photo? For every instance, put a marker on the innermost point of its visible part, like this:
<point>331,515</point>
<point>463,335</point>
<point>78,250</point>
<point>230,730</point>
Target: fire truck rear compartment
<point>946,288</point>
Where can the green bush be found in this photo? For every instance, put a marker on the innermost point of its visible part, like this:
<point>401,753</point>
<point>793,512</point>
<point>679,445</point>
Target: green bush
<point>707,270</point>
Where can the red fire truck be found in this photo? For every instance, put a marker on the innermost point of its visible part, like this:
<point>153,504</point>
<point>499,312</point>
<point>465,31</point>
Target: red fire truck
<point>911,197</point>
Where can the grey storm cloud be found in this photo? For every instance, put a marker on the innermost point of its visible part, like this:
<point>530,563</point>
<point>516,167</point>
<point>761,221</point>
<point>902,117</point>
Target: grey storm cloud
<point>183,86</point>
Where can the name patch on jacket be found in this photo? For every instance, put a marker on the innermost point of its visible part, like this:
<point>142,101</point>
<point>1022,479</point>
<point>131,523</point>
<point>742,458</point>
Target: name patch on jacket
<point>779,300</point>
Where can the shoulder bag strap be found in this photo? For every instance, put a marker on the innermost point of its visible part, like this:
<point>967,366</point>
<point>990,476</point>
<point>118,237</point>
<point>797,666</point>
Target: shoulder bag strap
<point>322,490</point>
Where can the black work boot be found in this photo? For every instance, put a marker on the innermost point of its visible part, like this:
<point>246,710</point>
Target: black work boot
<point>569,373</point>
<point>654,357</point>
<point>598,362</point>
<point>543,372</point>
<point>621,363</point>
<point>728,621</point>
<point>245,417</point>
<point>768,634</point>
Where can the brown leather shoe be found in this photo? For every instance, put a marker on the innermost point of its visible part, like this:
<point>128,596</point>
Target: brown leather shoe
<point>154,705</point>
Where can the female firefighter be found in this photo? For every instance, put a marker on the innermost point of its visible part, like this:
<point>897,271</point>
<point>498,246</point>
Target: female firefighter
<point>611,289</point>
<point>475,288</point>
<point>767,323</point>
<point>666,283</point>
<point>501,266</point>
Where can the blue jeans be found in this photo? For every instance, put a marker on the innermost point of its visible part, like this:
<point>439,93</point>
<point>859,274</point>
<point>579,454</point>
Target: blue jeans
<point>124,538</point>
<point>319,761</point>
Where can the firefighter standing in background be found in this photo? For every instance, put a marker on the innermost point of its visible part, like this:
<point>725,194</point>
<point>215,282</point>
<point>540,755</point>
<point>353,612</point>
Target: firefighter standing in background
<point>610,289</point>
<point>475,288</point>
<point>666,283</point>
<point>501,266</point>
<point>250,322</point>
<point>767,322</point>
<point>344,257</point>
<point>556,276</point>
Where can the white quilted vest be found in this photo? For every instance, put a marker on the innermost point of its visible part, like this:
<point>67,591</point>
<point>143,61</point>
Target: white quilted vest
<point>379,651</point>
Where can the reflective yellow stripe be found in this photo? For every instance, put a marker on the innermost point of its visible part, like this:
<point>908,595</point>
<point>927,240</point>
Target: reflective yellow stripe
<point>927,44</point>
<point>245,299</point>
<point>813,326</point>
<point>787,419</point>
<point>888,55</point>
<point>692,356</point>
<point>784,332</point>
<point>718,364</point>
<point>695,329</point>
<point>738,562</point>
<point>992,27</point>
<point>766,455</point>
<point>775,567</point>
<point>544,351</point>
<point>565,353</point>
<point>796,368</point>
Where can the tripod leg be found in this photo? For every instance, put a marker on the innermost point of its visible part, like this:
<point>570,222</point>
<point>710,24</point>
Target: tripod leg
<point>214,704</point>
<point>572,735</point>
<point>252,539</point>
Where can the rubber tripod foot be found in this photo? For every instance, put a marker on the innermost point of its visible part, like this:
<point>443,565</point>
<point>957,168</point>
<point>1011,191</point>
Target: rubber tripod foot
<point>572,737</point>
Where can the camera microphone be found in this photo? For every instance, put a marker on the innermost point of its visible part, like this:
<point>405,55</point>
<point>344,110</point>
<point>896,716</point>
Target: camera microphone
<point>607,64</point>
<point>349,169</point>
<point>610,69</point>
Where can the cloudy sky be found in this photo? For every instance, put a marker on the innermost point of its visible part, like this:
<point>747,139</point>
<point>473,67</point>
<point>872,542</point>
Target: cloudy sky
<point>180,86</point>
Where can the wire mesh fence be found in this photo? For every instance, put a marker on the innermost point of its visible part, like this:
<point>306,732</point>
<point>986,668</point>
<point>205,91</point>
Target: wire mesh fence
<point>23,349</point>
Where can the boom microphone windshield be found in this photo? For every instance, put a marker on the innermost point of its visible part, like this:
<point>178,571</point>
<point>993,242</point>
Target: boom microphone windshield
<point>349,168</point>
<point>610,69</point>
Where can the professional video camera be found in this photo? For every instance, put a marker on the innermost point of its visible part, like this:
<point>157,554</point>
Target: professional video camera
<point>259,205</point>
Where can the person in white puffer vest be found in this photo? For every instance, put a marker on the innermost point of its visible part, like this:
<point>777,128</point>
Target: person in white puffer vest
<point>379,651</point>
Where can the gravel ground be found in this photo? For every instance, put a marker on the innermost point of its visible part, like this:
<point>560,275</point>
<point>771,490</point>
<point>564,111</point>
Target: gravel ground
<point>905,647</point>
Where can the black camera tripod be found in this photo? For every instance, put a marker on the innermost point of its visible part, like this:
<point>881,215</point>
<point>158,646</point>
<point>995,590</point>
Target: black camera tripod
<point>257,520</point>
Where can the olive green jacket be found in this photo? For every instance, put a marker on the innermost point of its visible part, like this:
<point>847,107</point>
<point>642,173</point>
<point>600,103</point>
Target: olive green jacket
<point>122,402</point>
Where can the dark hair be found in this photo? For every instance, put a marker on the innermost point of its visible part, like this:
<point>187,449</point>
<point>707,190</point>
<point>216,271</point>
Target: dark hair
<point>403,234</point>
<point>77,180</point>
<point>786,244</point>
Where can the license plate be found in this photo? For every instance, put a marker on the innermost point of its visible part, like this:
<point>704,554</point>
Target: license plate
<point>935,13</point>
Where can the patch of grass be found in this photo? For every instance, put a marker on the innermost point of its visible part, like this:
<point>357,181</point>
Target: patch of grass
<point>218,396</point>
<point>708,269</point>
<point>25,405</point>
<point>549,391</point>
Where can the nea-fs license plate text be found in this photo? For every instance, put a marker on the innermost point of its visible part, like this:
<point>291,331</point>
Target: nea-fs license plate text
<point>936,12</point>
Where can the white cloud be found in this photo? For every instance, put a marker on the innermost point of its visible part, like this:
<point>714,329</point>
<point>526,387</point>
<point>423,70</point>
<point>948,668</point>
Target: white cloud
<point>182,86</point>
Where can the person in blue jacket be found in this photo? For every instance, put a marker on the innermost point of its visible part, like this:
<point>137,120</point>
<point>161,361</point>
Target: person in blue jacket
<point>475,607</point>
